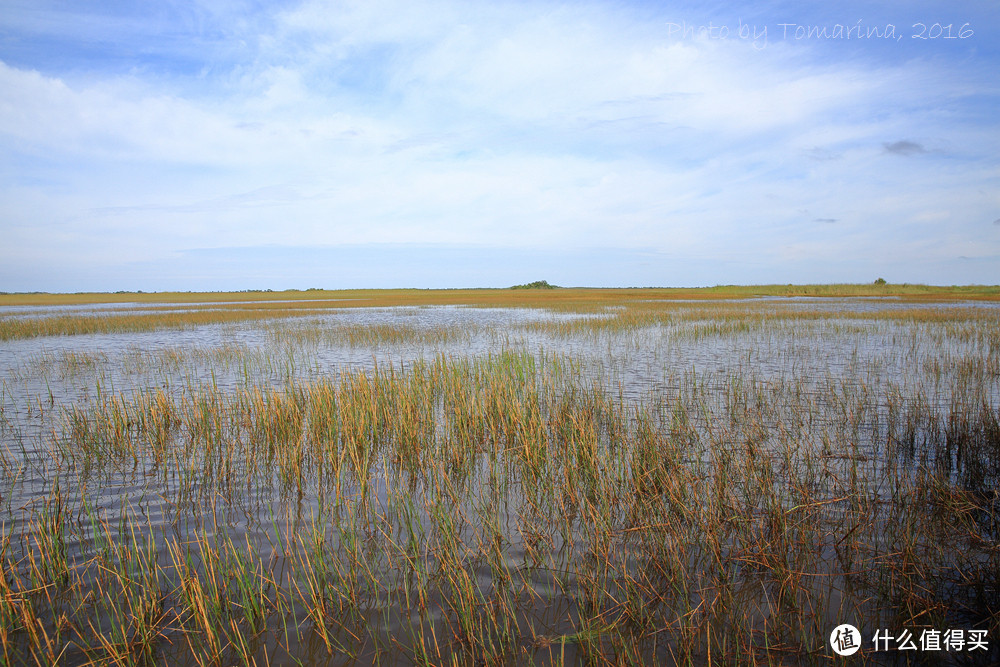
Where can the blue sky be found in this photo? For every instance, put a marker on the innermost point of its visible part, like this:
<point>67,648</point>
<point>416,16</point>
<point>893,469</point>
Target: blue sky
<point>226,144</point>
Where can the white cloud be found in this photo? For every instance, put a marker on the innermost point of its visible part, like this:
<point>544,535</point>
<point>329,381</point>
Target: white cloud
<point>507,124</point>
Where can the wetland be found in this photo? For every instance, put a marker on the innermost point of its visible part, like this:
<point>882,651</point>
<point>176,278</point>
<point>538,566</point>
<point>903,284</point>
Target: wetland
<point>489,477</point>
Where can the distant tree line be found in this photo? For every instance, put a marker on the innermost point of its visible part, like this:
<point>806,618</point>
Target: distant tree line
<point>538,284</point>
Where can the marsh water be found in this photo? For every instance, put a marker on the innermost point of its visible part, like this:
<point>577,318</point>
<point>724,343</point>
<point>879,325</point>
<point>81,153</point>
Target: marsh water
<point>65,369</point>
<point>869,388</point>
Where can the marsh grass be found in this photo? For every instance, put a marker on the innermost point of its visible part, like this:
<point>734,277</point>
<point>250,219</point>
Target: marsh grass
<point>515,507</point>
<point>187,310</point>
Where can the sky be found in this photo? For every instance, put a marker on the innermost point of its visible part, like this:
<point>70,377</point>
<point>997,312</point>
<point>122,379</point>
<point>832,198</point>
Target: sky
<point>244,144</point>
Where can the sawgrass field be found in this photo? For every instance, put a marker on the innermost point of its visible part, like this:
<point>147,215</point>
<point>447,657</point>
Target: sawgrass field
<point>498,477</point>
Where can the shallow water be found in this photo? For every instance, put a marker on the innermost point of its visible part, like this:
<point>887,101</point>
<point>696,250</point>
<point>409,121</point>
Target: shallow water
<point>804,373</point>
<point>46,376</point>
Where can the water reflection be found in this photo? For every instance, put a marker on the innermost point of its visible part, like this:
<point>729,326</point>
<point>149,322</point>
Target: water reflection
<point>768,430</point>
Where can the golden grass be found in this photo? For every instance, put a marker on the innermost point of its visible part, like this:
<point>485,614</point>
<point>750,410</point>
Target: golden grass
<point>633,305</point>
<point>503,297</point>
<point>513,507</point>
